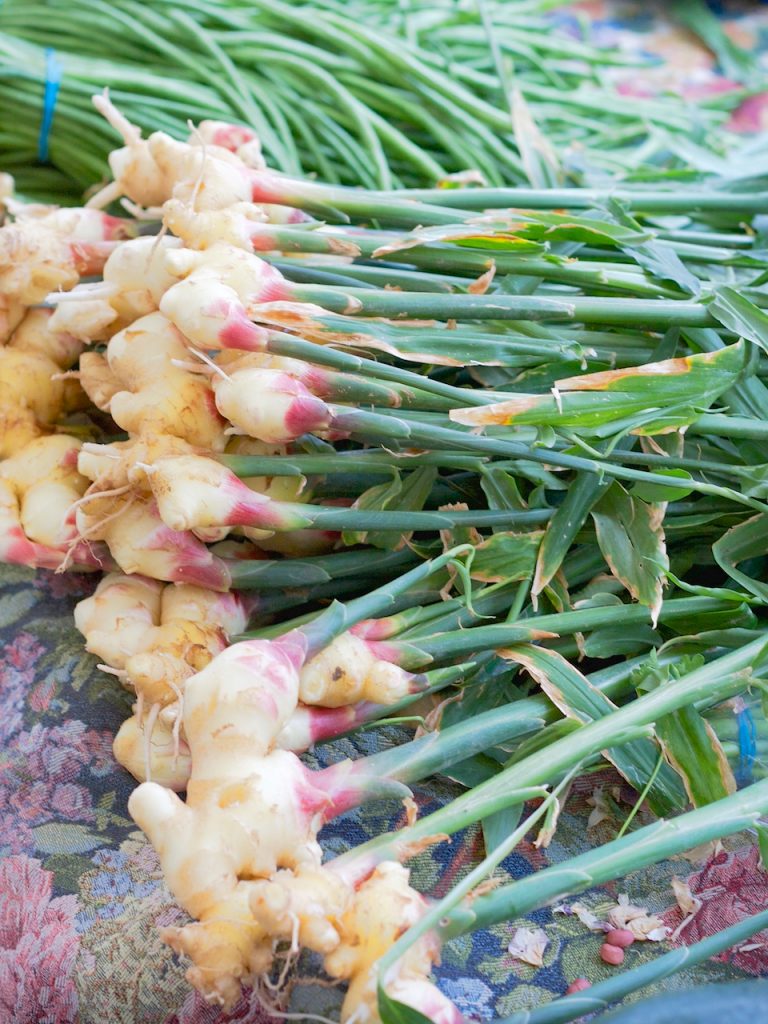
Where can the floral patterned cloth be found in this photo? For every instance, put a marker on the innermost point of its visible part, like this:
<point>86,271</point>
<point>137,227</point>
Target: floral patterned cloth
<point>81,894</point>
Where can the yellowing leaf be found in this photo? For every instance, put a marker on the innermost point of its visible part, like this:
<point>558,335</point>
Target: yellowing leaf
<point>630,535</point>
<point>506,556</point>
<point>652,398</point>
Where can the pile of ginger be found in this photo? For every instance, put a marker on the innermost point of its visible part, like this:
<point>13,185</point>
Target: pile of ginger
<point>154,333</point>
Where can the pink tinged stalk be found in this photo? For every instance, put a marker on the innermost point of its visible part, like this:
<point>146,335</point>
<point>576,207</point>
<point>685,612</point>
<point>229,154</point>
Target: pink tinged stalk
<point>87,225</point>
<point>237,331</point>
<point>228,136</point>
<point>115,229</point>
<point>270,405</point>
<point>422,995</point>
<point>194,562</point>
<point>18,549</point>
<point>309,725</point>
<point>376,629</point>
<point>193,492</point>
<point>142,543</point>
<point>285,214</point>
<point>89,258</point>
<point>332,791</point>
<point>218,289</point>
<point>268,187</point>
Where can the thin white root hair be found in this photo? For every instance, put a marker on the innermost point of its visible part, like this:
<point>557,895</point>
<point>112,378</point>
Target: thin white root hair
<point>114,493</point>
<point>104,196</point>
<point>160,235</point>
<point>291,957</point>
<point>141,212</point>
<point>209,363</point>
<point>149,728</point>
<point>98,449</point>
<point>68,375</point>
<point>119,672</point>
<point>130,133</point>
<point>198,184</point>
<point>85,534</point>
<point>190,367</point>
<point>176,730</point>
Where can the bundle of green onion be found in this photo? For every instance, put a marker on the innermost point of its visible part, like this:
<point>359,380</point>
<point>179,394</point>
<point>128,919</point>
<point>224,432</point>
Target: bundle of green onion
<point>372,93</point>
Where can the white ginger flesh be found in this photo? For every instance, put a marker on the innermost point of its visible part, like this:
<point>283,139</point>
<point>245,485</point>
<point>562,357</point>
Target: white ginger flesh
<point>140,542</point>
<point>11,314</point>
<point>194,626</point>
<point>156,637</point>
<point>241,854</point>
<point>116,618</point>
<point>39,332</point>
<point>200,229</point>
<point>37,488</point>
<point>157,396</point>
<point>160,635</point>
<point>249,808</point>
<point>153,170</point>
<point>46,249</point>
<point>245,225</point>
<point>32,399</point>
<point>216,289</point>
<point>269,405</point>
<point>134,281</point>
<point>15,546</point>
<point>124,463</point>
<point>384,906</point>
<point>194,492</point>
<point>347,671</point>
<point>97,379</point>
<point>45,480</point>
<point>160,754</point>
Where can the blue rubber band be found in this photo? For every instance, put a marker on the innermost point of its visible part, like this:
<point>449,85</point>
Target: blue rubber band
<point>747,746</point>
<point>50,95</point>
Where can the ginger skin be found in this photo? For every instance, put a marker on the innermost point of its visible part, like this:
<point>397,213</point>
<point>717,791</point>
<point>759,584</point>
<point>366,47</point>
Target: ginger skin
<point>242,857</point>
<point>241,853</point>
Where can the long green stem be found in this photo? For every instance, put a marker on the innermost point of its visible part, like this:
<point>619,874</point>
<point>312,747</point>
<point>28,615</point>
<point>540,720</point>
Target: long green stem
<point>374,426</point>
<point>329,517</point>
<point>650,314</point>
<point>304,572</point>
<point>361,461</point>
<point>711,683</point>
<point>729,426</point>
<point>446,645</point>
<point>411,207</point>
<point>649,845</point>
<point>338,617</point>
<point>640,200</point>
<point>296,348</point>
<point>463,888</point>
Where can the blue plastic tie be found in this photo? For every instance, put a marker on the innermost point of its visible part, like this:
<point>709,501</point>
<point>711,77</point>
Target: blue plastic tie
<point>747,746</point>
<point>50,95</point>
